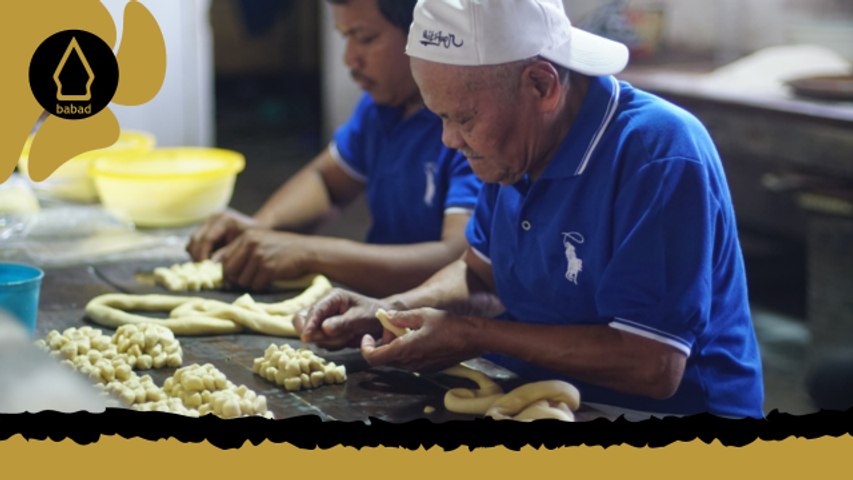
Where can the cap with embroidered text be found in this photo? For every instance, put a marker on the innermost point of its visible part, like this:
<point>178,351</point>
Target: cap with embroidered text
<point>492,32</point>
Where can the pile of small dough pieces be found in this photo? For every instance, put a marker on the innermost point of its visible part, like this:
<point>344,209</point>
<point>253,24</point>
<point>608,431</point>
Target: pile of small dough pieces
<point>201,316</point>
<point>549,399</point>
<point>297,369</point>
<point>109,361</point>
<point>208,275</point>
<point>190,276</point>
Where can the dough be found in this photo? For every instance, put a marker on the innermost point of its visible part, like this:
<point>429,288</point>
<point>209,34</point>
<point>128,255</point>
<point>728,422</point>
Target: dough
<point>148,345</point>
<point>109,361</point>
<point>199,316</point>
<point>190,276</point>
<point>207,275</point>
<point>551,399</point>
<point>205,389</point>
<point>382,315</point>
<point>297,369</point>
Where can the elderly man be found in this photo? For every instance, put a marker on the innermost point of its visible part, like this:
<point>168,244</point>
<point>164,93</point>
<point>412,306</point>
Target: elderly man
<point>420,194</point>
<point>605,232</point>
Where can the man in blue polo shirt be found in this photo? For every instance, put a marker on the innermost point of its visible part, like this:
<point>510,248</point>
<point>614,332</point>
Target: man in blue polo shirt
<point>420,193</point>
<point>605,230</point>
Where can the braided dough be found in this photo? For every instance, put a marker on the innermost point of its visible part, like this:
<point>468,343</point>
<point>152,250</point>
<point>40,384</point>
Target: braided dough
<point>200,316</point>
<point>550,399</point>
<point>207,275</point>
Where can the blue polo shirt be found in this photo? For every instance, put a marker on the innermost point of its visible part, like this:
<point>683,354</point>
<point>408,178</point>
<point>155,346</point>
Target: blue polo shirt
<point>630,226</point>
<point>412,180</point>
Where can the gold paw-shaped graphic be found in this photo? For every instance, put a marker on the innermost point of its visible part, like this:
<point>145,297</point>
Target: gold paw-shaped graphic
<point>142,67</point>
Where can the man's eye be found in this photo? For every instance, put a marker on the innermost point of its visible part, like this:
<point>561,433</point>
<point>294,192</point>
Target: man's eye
<point>367,40</point>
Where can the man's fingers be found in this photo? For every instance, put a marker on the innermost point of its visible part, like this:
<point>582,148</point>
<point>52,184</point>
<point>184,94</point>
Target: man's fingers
<point>314,316</point>
<point>381,354</point>
<point>233,263</point>
<point>368,349</point>
<point>249,271</point>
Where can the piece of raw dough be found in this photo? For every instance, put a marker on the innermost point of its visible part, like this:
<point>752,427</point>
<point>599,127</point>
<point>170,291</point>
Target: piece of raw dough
<point>199,316</point>
<point>297,369</point>
<point>208,275</point>
<point>551,399</point>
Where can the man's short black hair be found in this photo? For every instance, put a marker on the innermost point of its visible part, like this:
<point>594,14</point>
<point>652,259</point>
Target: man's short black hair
<point>398,12</point>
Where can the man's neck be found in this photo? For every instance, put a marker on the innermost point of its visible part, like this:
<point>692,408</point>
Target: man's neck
<point>561,123</point>
<point>412,105</point>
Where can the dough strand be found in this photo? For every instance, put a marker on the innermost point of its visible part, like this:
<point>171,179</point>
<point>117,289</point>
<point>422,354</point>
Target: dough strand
<point>549,399</point>
<point>200,316</point>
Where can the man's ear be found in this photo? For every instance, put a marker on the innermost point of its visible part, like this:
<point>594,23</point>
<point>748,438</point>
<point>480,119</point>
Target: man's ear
<point>542,80</point>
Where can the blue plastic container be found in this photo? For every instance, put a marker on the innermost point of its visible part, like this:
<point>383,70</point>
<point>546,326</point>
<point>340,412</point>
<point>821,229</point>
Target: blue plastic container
<point>20,286</point>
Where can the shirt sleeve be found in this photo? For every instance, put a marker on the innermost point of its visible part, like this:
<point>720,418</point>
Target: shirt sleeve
<point>464,186</point>
<point>480,225</point>
<point>658,283</point>
<point>349,142</point>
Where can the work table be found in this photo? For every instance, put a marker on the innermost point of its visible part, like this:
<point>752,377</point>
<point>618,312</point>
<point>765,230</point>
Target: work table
<point>80,265</point>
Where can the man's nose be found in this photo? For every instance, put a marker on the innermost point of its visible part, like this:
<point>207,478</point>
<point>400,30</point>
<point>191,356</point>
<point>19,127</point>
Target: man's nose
<point>352,56</point>
<point>451,138</point>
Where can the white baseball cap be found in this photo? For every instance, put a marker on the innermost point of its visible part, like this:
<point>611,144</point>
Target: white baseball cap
<point>492,32</point>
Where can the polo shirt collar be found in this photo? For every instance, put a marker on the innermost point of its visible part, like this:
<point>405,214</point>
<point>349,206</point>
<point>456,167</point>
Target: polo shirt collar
<point>578,147</point>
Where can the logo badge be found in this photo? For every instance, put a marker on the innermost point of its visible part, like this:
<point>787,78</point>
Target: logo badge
<point>429,194</point>
<point>574,263</point>
<point>440,39</point>
<point>73,74</point>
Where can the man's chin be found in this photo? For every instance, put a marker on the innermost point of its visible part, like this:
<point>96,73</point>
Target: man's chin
<point>379,98</point>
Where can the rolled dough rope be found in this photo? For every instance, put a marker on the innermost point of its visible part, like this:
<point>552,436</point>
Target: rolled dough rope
<point>543,409</point>
<point>199,316</point>
<point>319,286</point>
<point>263,322</point>
<point>109,310</point>
<point>514,402</point>
<point>552,399</point>
<point>471,401</point>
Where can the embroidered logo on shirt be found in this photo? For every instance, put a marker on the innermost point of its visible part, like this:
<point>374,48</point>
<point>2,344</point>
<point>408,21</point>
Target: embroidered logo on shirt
<point>575,264</point>
<point>429,195</point>
<point>439,39</point>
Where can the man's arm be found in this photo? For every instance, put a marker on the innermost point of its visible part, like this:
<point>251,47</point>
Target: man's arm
<point>380,270</point>
<point>464,286</point>
<point>309,196</point>
<point>597,354</point>
<point>300,204</point>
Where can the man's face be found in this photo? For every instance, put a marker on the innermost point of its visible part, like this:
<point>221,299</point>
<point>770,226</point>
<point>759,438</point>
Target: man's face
<point>490,126</point>
<point>375,52</point>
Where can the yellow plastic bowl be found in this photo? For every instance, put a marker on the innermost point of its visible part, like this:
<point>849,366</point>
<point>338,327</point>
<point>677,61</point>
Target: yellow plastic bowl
<point>167,187</point>
<point>71,181</point>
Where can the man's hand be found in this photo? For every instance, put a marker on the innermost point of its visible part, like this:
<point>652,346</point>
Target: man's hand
<point>438,340</point>
<point>338,320</point>
<point>257,258</point>
<point>218,231</point>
